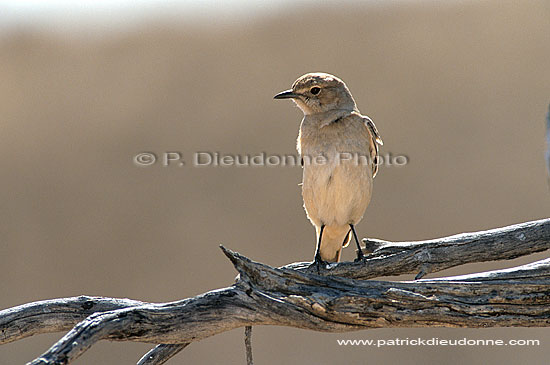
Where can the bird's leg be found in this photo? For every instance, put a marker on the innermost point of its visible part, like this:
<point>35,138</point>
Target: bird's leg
<point>359,251</point>
<point>318,261</point>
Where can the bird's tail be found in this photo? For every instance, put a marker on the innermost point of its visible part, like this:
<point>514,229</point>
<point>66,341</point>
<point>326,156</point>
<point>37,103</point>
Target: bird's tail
<point>333,241</point>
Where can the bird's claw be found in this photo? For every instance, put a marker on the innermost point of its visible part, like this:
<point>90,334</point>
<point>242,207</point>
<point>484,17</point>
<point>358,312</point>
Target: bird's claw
<point>317,263</point>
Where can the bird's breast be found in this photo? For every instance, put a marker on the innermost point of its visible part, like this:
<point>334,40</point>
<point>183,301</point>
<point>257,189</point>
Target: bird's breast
<point>337,175</point>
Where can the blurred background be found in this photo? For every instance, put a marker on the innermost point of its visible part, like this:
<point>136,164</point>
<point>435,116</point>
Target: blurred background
<point>459,87</point>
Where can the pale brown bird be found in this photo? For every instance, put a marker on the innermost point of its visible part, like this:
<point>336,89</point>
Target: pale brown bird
<point>339,151</point>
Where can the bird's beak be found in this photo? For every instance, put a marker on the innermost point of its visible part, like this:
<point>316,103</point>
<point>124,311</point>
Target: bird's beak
<point>288,94</point>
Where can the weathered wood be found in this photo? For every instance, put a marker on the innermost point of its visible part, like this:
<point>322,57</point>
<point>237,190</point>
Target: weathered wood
<point>429,256</point>
<point>248,345</point>
<point>301,298</point>
<point>270,296</point>
<point>161,353</point>
<point>54,315</point>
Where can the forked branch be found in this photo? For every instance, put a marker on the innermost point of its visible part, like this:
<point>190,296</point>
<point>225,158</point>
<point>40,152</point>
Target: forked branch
<point>298,297</point>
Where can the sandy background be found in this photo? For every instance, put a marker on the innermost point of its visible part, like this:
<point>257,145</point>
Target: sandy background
<point>462,89</point>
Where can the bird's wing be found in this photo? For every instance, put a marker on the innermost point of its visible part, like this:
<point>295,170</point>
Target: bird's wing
<point>372,128</point>
<point>376,140</point>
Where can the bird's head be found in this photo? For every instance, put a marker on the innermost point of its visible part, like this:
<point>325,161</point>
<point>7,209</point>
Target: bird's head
<point>318,93</point>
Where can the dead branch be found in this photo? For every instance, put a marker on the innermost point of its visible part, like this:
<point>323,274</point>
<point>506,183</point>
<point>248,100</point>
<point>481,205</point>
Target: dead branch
<point>298,297</point>
<point>424,257</point>
<point>161,353</point>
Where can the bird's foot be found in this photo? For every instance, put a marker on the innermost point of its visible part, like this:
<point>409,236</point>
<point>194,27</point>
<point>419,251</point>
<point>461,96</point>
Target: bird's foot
<point>360,256</point>
<point>318,263</point>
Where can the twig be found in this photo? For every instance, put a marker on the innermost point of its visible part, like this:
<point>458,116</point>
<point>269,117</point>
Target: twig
<point>161,353</point>
<point>248,344</point>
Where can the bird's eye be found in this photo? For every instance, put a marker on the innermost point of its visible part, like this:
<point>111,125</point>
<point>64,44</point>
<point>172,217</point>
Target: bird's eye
<point>315,90</point>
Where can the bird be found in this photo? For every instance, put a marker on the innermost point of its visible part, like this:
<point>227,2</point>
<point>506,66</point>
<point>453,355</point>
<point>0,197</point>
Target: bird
<point>338,147</point>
